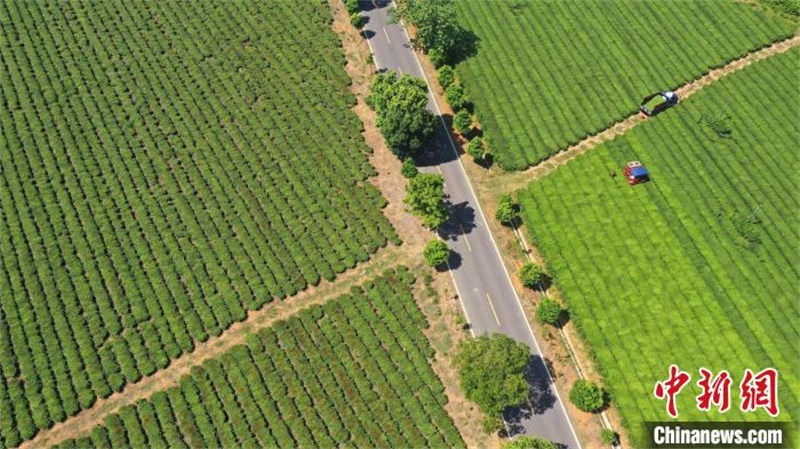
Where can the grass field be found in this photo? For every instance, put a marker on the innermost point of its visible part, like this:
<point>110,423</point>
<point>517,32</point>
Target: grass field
<point>549,72</point>
<point>164,168</point>
<point>697,267</point>
<point>351,373</point>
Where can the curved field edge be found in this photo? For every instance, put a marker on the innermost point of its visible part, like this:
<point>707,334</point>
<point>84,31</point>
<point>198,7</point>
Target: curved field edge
<point>541,86</point>
<point>354,371</point>
<point>160,181</point>
<point>695,267</point>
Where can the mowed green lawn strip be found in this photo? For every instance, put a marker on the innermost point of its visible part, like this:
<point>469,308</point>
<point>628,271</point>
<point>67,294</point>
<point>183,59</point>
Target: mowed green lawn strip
<point>665,272</point>
<point>164,168</point>
<point>352,373</point>
<point>548,73</point>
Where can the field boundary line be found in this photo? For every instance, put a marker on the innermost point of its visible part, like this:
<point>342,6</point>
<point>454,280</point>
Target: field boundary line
<point>552,163</point>
<point>517,180</point>
<point>83,422</point>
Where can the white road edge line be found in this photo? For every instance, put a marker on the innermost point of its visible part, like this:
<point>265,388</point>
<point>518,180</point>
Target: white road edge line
<point>497,250</point>
<point>460,299</point>
<point>449,270</point>
<point>374,58</point>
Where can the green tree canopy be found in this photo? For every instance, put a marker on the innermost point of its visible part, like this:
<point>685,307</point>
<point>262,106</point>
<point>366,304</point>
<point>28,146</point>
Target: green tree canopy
<point>436,253</point>
<point>425,198</point>
<point>505,209</point>
<point>609,437</point>
<point>457,97</point>
<point>462,122</point>
<point>408,169</point>
<point>403,116</point>
<point>446,77</point>
<point>526,442</point>
<point>587,396</point>
<point>476,149</point>
<point>549,311</point>
<point>531,275</point>
<point>436,22</point>
<point>491,371</point>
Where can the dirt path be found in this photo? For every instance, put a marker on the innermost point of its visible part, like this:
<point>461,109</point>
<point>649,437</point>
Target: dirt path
<point>490,184</point>
<point>517,180</point>
<point>86,420</point>
<point>389,180</point>
<point>391,185</point>
<point>440,308</point>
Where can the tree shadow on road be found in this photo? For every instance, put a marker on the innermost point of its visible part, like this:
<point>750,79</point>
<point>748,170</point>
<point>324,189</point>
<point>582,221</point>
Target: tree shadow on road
<point>437,151</point>
<point>454,261</point>
<point>461,221</point>
<point>369,5</point>
<point>540,399</point>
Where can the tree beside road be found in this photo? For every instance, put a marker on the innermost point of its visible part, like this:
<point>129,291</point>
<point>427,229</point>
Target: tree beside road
<point>401,102</point>
<point>492,374</point>
<point>425,198</point>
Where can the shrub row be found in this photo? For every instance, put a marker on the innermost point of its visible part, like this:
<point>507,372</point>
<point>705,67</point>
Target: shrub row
<point>157,188</point>
<point>354,372</point>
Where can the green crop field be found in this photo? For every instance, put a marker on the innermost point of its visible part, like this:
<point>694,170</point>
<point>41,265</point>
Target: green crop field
<point>697,267</point>
<point>351,373</point>
<point>549,72</point>
<point>164,168</point>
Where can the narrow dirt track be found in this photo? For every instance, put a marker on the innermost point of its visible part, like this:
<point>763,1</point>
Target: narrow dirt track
<point>518,180</point>
<point>86,420</point>
<point>388,181</point>
<point>83,422</point>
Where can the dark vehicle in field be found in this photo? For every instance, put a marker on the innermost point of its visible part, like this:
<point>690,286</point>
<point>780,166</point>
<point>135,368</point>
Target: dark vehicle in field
<point>658,102</point>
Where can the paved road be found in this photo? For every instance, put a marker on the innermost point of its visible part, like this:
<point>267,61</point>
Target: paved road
<point>483,284</point>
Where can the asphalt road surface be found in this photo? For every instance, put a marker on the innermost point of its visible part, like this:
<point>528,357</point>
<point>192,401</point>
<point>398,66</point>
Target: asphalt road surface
<point>483,284</point>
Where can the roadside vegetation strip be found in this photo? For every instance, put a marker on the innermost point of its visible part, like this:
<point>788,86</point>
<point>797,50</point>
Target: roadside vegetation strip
<point>353,372</point>
<point>518,180</point>
<point>540,86</point>
<point>702,256</point>
<point>165,169</point>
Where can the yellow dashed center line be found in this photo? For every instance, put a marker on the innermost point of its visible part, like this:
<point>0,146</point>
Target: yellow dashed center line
<point>465,238</point>
<point>387,36</point>
<point>494,312</point>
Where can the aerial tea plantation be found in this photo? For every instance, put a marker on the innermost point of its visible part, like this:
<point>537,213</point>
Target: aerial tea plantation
<point>351,373</point>
<point>547,73</point>
<point>164,168</point>
<point>697,267</point>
